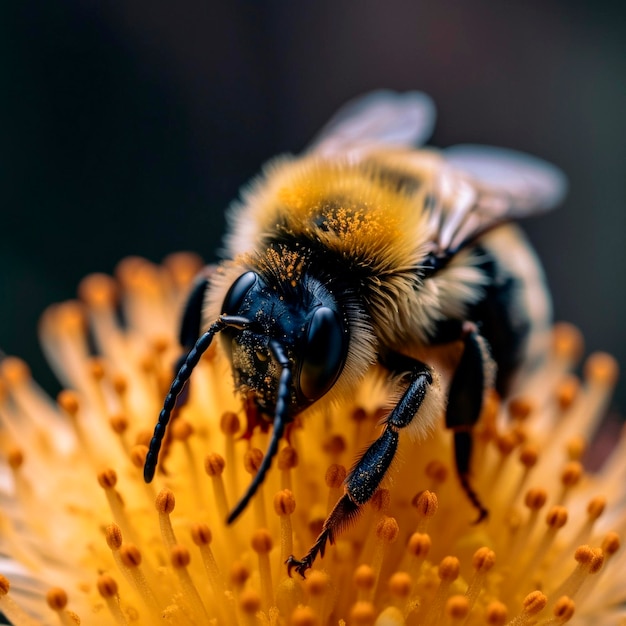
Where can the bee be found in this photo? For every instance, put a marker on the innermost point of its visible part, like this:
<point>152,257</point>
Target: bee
<point>367,251</point>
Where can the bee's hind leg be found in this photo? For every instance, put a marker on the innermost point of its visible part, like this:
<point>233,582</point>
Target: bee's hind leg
<point>474,374</point>
<point>371,468</point>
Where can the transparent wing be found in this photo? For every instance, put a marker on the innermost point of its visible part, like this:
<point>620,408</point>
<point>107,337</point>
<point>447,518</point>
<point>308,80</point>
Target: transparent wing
<point>487,186</point>
<point>380,118</point>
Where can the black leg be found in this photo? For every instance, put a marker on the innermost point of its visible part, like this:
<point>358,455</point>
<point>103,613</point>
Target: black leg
<point>371,468</point>
<point>473,376</point>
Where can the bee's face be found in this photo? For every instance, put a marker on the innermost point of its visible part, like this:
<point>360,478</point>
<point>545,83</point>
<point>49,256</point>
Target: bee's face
<point>311,335</point>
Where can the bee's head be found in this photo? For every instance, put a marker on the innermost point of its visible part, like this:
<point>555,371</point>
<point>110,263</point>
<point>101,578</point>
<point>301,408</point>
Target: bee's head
<point>287,348</point>
<point>299,329</point>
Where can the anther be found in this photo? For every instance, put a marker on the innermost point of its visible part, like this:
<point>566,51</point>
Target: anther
<point>165,501</point>
<point>567,341</point>
<point>107,587</point>
<point>381,500</point>
<point>596,507</point>
<point>284,503</point>
<point>317,583</point>
<point>437,471</point>
<point>98,291</point>
<point>484,559</point>
<point>56,598</point>
<point>113,536</point>
<point>5,585</point>
<point>182,267</point>
<point>252,460</point>
<point>14,371</point>
<point>107,478</point>
<point>334,445</point>
<point>534,603</point>
<point>520,408</point>
<point>138,455</point>
<point>567,392</point>
<point>335,475</point>
<point>130,555</point>
<point>419,545</point>
<point>564,609</point>
<point>387,529</point>
<point>364,578</point>
<point>15,458</point>
<point>496,614</point>
<point>304,616</point>
<point>239,574</point>
<point>535,498</point>
<point>426,504</point>
<point>68,401</point>
<point>287,458</point>
<point>556,517</point>
<point>250,602</point>
<point>400,584</point>
<point>611,543</point>
<point>179,556</point>
<point>362,614</point>
<point>457,608</point>
<point>181,429</point>
<point>118,423</point>
<point>576,448</point>
<point>449,569</point>
<point>229,423</point>
<point>602,369</point>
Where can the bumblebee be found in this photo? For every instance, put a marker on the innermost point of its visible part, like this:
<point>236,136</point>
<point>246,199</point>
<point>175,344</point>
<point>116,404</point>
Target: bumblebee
<point>367,251</point>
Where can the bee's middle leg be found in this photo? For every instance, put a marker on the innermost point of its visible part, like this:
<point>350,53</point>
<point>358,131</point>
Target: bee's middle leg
<point>367,474</point>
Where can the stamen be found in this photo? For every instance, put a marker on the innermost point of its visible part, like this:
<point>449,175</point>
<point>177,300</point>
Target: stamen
<point>362,614</point>
<point>417,548</point>
<point>10,609</point>
<point>496,614</point>
<point>286,461</point>
<point>438,473</point>
<point>214,465</point>
<point>129,562</point>
<point>563,611</point>
<point>202,537</point>
<point>180,559</point>
<point>335,477</point>
<point>426,504</point>
<point>181,431</point>
<point>448,571</point>
<point>107,588</point>
<point>570,477</point>
<point>589,561</point>
<point>400,585</point>
<point>262,544</point>
<point>284,506</point>
<point>249,605</point>
<point>107,479</point>
<point>483,561</point>
<point>304,616</point>
<point>229,425</point>
<point>252,462</point>
<point>364,579</point>
<point>456,610</point>
<point>165,503</point>
<point>533,604</point>
<point>318,586</point>
<point>387,531</point>
<point>57,601</point>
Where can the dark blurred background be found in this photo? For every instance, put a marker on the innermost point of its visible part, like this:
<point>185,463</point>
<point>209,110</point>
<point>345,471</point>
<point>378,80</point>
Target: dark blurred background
<point>128,126</point>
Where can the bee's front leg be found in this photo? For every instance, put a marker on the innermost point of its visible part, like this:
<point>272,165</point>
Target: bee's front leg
<point>370,469</point>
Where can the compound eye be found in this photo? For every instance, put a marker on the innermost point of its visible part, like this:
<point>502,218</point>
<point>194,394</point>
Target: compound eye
<point>324,354</point>
<point>238,292</point>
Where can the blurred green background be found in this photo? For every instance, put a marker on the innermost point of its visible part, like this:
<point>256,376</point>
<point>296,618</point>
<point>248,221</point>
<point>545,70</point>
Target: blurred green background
<point>128,126</point>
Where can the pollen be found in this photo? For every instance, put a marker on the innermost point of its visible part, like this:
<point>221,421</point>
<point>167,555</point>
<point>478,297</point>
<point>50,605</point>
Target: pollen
<point>549,552</point>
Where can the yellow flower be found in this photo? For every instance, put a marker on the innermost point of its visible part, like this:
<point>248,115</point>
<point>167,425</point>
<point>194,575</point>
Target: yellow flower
<point>86,539</point>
